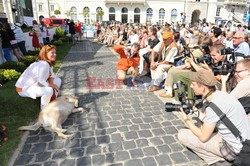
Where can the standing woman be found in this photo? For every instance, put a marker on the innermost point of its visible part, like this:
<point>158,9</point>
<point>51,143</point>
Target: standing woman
<point>39,80</point>
<point>5,42</point>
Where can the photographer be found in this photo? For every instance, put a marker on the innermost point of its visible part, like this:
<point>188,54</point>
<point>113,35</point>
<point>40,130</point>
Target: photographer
<point>242,89</point>
<point>239,45</point>
<point>129,61</point>
<point>203,141</point>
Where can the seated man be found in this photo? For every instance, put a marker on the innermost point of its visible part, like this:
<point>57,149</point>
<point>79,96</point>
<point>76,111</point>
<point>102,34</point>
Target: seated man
<point>203,141</point>
<point>129,61</point>
<point>166,50</point>
<point>242,89</point>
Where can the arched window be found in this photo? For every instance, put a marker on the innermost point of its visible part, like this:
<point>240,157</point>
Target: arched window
<point>86,15</point>
<point>137,12</point>
<point>99,14</point>
<point>161,16</point>
<point>111,13</point>
<point>124,15</point>
<point>173,15</point>
<point>74,13</point>
<point>149,15</point>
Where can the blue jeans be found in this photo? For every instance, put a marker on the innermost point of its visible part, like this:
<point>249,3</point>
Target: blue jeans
<point>6,53</point>
<point>22,47</point>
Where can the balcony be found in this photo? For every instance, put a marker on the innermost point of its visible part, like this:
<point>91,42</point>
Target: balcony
<point>125,2</point>
<point>235,2</point>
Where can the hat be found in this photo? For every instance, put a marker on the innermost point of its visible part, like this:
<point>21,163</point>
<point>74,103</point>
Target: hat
<point>167,35</point>
<point>204,77</point>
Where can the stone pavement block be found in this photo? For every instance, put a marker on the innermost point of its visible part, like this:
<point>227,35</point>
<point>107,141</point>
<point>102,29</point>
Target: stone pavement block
<point>67,162</point>
<point>164,149</point>
<point>110,157</point>
<point>72,143</point>
<point>141,142</point>
<point>191,156</point>
<point>145,133</point>
<point>123,128</point>
<point>84,161</point>
<point>55,145</point>
<point>42,157</point>
<point>47,138</point>
<point>100,132</point>
<point>111,130</point>
<point>149,161</point>
<point>37,148</point>
<point>60,154</point>
<point>135,162</point>
<point>116,137</point>
<point>87,141</point>
<point>113,147</point>
<point>163,160</point>
<point>98,159</point>
<point>150,151</point>
<point>134,127</point>
<point>170,130</point>
<point>129,145</point>
<point>144,126</point>
<point>131,135</point>
<point>33,139</point>
<point>103,139</point>
<point>169,139</point>
<point>26,148</point>
<point>176,147</point>
<point>178,158</point>
<point>76,152</point>
<point>121,156</point>
<point>51,163</point>
<point>94,149</point>
<point>136,153</point>
<point>158,132</point>
<point>156,141</point>
<point>23,159</point>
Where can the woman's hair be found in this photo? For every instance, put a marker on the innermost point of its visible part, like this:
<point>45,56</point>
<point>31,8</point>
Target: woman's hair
<point>43,54</point>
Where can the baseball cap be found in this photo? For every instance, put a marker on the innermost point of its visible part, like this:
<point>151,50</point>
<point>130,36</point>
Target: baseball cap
<point>167,35</point>
<point>204,77</point>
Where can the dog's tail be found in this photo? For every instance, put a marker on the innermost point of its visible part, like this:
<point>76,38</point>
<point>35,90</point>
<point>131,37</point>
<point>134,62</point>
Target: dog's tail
<point>32,127</point>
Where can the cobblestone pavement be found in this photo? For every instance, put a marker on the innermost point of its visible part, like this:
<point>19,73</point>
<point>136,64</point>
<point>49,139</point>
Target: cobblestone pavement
<point>123,127</point>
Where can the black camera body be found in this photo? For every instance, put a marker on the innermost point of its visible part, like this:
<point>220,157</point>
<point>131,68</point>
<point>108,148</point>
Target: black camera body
<point>224,69</point>
<point>206,58</point>
<point>184,103</point>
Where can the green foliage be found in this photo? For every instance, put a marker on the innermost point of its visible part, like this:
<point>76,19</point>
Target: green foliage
<point>59,32</point>
<point>8,74</point>
<point>85,12</point>
<point>18,66</point>
<point>100,13</point>
<point>27,60</point>
<point>68,13</point>
<point>57,12</point>
<point>34,52</point>
<point>58,42</point>
<point>63,39</point>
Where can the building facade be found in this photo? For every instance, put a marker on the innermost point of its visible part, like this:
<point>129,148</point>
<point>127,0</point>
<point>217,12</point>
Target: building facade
<point>141,11</point>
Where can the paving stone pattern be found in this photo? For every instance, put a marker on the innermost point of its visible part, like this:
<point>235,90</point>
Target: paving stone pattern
<point>123,127</point>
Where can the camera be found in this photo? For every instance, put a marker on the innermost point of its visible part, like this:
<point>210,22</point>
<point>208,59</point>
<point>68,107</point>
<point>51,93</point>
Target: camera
<point>226,51</point>
<point>224,69</point>
<point>184,103</point>
<point>206,49</point>
<point>206,58</point>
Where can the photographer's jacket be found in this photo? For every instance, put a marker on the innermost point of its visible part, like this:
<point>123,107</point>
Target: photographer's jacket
<point>124,63</point>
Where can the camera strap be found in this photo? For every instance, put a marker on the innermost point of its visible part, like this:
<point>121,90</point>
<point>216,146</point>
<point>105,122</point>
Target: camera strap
<point>223,117</point>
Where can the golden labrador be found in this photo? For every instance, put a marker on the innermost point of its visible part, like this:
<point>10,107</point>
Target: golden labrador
<point>54,114</point>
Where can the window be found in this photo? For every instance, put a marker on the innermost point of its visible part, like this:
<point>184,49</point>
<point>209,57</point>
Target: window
<point>74,13</point>
<point>149,15</point>
<point>137,12</point>
<point>99,14</point>
<point>124,15</point>
<point>233,10</point>
<point>86,15</point>
<point>198,0</point>
<point>111,13</point>
<point>245,13</point>
<point>218,11</point>
<point>161,16</point>
<point>52,8</point>
<point>173,15</point>
<point>40,8</point>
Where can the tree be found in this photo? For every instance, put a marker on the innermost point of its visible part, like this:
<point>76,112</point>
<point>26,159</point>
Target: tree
<point>100,13</point>
<point>57,12</point>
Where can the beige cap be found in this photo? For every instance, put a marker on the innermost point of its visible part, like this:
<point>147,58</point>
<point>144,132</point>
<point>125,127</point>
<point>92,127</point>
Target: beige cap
<point>204,77</point>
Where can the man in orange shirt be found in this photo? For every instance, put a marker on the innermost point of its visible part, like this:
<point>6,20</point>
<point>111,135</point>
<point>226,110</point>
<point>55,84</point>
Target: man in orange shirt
<point>128,62</point>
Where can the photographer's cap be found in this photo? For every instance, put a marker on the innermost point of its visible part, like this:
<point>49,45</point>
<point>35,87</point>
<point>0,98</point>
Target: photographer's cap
<point>204,77</point>
<point>167,35</point>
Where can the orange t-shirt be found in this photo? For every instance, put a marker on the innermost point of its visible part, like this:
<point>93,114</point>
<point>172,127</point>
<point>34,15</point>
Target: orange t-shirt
<point>124,63</point>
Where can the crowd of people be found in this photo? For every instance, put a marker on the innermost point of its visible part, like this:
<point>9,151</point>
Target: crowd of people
<point>211,62</point>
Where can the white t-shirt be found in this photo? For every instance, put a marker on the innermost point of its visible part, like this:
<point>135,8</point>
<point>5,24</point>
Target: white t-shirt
<point>235,112</point>
<point>242,89</point>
